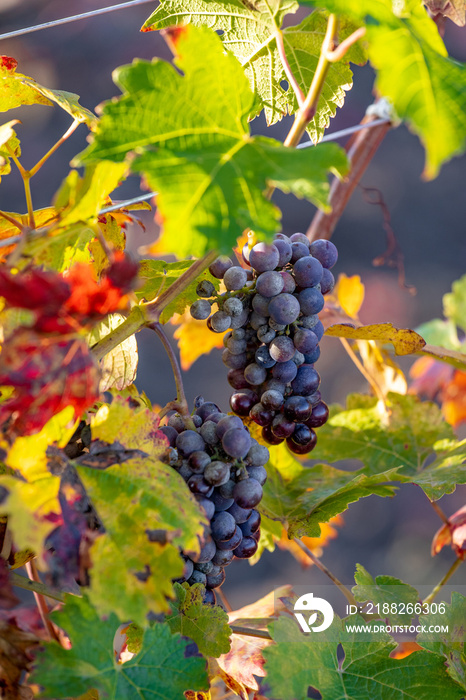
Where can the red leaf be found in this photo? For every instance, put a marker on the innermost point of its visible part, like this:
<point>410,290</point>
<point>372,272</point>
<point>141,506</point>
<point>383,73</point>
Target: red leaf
<point>122,272</point>
<point>8,62</point>
<point>35,290</point>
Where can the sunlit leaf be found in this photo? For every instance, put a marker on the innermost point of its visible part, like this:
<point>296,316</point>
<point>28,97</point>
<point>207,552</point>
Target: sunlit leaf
<point>119,366</point>
<point>350,293</point>
<point>194,339</point>
<point>405,341</point>
<point>385,589</point>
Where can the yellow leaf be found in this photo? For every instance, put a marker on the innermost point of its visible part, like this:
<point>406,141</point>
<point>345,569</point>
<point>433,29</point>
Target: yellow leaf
<point>195,339</point>
<point>350,294</point>
<point>405,341</point>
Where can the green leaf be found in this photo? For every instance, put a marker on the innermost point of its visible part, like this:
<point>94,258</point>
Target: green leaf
<point>439,332</point>
<point>146,508</point>
<point>364,432</point>
<point>248,31</point>
<point>18,89</point>
<point>452,645</point>
<point>427,88</point>
<point>164,663</point>
<point>158,275</point>
<point>454,303</point>
<point>385,590</point>
<point>195,149</point>
<point>207,625</point>
<point>447,470</point>
<point>294,664</point>
<point>119,366</point>
<point>61,248</point>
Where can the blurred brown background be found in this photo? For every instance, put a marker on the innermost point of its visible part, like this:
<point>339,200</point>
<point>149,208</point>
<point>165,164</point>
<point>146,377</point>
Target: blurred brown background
<point>389,536</point>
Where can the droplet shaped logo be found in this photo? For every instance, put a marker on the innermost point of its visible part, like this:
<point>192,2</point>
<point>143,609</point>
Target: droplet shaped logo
<point>307,603</point>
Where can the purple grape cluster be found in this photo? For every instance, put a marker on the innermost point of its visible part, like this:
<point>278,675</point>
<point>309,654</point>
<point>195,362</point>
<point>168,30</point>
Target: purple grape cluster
<point>271,311</point>
<point>224,469</point>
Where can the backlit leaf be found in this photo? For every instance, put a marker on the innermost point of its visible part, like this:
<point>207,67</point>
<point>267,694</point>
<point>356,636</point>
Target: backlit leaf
<point>350,293</point>
<point>9,142</point>
<point>405,341</point>
<point>385,589</point>
<point>453,9</point>
<point>119,366</point>
<point>194,339</point>
<point>454,303</point>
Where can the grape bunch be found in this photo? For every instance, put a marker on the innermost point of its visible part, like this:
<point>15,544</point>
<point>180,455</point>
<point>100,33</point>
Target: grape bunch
<point>271,311</point>
<point>223,467</point>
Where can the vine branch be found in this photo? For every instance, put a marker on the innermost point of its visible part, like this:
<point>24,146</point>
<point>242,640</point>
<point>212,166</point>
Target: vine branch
<point>456,564</point>
<point>180,395</point>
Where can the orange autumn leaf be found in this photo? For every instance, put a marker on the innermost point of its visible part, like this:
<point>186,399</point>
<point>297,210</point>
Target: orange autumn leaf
<point>453,533</point>
<point>454,399</point>
<point>350,293</point>
<point>315,544</point>
<point>194,339</point>
<point>405,649</point>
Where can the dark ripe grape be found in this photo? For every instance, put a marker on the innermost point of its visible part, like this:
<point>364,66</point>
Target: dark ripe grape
<point>197,484</point>
<point>197,420</point>
<point>209,432</point>
<point>284,252</point>
<point>175,421</point>
<point>276,326</point>
<point>306,381</point>
<point>327,282</point>
<point>236,379</point>
<point>266,334</point>
<point>247,493</point>
<point>240,514</point>
<point>270,437</point>
<point>282,348</point>
<point>205,289</point>
<point>200,310</point>
<point>198,461</point>
<point>304,340</point>
<point>234,361</point>
<point>258,473</point>
<point>219,322</point>
<point>236,347</point>
<point>189,441</point>
<point>298,250</point>
<point>274,385</point>
<point>242,401</point>
<point>309,322</point>
<point>263,357</point>
<point>223,526</point>
<point>256,535</point>
<point>232,543</point>
<point>236,442</point>
<point>311,357</point>
<point>282,427</point>
<point>307,271</point>
<point>252,524</point>
<point>319,415</point>
<point>209,597</point>
<point>207,552</point>
<point>220,502</point>
<point>238,334</point>
<point>261,415</point>
<point>272,399</point>
<point>302,449</point>
<point>217,473</point>
<point>235,278</point>
<point>289,284</point>
<point>284,308</point>
<point>297,408</point>
<point>257,455</point>
<point>299,358</point>
<point>223,557</point>
<point>255,374</point>
<point>188,568</point>
<point>207,505</point>
<point>170,433</point>
<point>228,423</point>
<point>260,304</point>
<point>264,256</point>
<point>197,577</point>
<point>246,549</point>
<point>311,301</point>
<point>185,471</point>
<point>319,330</point>
<point>285,371</point>
<point>302,434</point>
<point>238,322</point>
<point>220,266</point>
<point>226,338</point>
<point>215,580</point>
<point>314,398</point>
<point>281,237</point>
<point>233,306</point>
<point>207,408</point>
<point>325,251</point>
<point>205,567</point>
<point>269,284</point>
<point>300,238</point>
<point>226,490</point>
<point>256,321</point>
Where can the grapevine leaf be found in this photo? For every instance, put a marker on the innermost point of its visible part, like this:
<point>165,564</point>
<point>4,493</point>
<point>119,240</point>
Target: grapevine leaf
<point>440,332</point>
<point>165,662</point>
<point>453,9</point>
<point>8,142</point>
<point>405,341</point>
<point>453,533</point>
<point>207,625</point>
<point>388,590</point>
<point>42,217</point>
<point>119,366</point>
<point>195,148</point>
<point>158,275</point>
<point>367,664</point>
<point>59,250</point>
<point>18,89</point>
<point>194,339</point>
<point>447,469</point>
<point>15,659</point>
<point>327,532</point>
<point>451,645</point>
<point>249,30</point>
<point>427,88</point>
<point>454,303</point>
<point>363,432</point>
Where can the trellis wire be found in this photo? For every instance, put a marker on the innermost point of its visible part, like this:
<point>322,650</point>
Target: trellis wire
<point>73,18</point>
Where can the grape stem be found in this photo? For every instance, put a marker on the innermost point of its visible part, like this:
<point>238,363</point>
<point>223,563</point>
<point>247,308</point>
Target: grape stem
<point>439,511</point>
<point>347,593</point>
<point>441,583</point>
<point>41,603</point>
